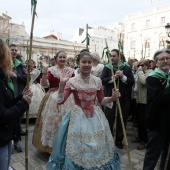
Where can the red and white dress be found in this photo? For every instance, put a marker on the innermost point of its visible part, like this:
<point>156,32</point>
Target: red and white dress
<point>84,140</point>
<point>50,113</point>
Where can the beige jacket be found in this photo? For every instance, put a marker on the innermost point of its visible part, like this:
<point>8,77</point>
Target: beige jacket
<point>142,90</point>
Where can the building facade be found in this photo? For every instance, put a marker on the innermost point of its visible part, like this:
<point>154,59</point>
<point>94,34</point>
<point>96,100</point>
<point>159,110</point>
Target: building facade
<point>46,46</point>
<point>97,38</point>
<point>145,32</point>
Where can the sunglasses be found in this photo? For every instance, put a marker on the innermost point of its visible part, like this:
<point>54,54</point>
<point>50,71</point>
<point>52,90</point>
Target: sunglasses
<point>142,65</point>
<point>14,50</point>
<point>113,55</point>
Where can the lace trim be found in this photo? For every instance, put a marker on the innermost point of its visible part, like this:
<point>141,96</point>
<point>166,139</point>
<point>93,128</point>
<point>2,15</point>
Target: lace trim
<point>34,74</point>
<point>90,149</point>
<point>56,72</point>
<point>105,103</point>
<point>78,83</point>
<point>74,152</point>
<point>58,97</point>
<point>93,137</point>
<point>51,118</point>
<point>114,163</point>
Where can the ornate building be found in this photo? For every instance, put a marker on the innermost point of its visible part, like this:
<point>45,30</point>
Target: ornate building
<point>97,37</point>
<point>46,46</point>
<point>145,32</point>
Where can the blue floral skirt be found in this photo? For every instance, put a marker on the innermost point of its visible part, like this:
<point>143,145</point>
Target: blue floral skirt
<point>84,144</point>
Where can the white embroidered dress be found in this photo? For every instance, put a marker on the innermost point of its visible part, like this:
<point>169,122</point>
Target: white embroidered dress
<point>89,142</point>
<point>53,113</point>
<point>38,94</point>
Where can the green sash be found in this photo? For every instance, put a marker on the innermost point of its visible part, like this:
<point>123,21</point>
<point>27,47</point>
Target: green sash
<point>157,73</point>
<point>115,68</point>
<point>11,86</point>
<point>16,63</point>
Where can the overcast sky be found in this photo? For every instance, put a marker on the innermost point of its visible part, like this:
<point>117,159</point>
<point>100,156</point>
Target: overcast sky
<point>65,16</point>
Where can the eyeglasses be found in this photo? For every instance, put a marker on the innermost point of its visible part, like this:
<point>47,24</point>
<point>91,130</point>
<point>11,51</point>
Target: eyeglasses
<point>164,59</point>
<point>14,50</point>
<point>142,65</point>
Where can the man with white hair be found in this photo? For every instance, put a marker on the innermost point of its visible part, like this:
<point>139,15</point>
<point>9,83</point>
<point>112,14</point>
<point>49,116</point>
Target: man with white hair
<point>158,112</point>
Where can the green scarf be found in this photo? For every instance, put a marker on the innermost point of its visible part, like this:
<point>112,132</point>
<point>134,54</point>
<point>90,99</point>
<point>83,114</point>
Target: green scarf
<point>16,63</point>
<point>157,73</point>
<point>11,86</point>
<point>115,68</point>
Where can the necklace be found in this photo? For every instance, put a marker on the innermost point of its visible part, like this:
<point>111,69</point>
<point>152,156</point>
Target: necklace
<point>85,78</point>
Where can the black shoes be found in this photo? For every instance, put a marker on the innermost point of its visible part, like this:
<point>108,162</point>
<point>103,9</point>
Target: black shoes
<point>17,147</point>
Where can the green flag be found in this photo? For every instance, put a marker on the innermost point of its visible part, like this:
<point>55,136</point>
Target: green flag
<point>87,39</point>
<point>33,3</point>
<point>120,46</point>
<point>103,53</point>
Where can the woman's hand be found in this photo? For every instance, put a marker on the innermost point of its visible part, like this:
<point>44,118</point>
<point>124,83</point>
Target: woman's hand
<point>115,94</point>
<point>27,98</point>
<point>65,75</point>
<point>44,63</point>
<point>27,95</point>
<point>140,69</point>
<point>27,91</point>
<point>12,74</point>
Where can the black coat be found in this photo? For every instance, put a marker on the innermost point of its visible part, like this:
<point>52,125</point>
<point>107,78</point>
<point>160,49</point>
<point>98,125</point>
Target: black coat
<point>10,110</point>
<point>158,105</point>
<point>21,80</point>
<point>124,88</point>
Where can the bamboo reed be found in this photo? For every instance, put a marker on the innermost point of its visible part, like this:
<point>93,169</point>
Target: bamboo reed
<point>167,159</point>
<point>28,80</point>
<point>115,123</point>
<point>119,108</point>
<point>87,39</point>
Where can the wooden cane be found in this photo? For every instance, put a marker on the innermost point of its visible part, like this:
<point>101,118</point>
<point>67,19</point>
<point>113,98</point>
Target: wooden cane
<point>167,159</point>
<point>87,40</point>
<point>115,123</point>
<point>28,80</point>
<point>119,108</point>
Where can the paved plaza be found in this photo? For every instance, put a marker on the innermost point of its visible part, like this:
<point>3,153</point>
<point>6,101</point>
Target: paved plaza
<point>38,160</point>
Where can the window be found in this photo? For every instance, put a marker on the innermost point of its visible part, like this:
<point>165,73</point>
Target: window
<point>132,44</point>
<point>162,20</point>
<point>162,42</point>
<point>147,43</point>
<point>132,26</point>
<point>147,48</point>
<point>147,23</point>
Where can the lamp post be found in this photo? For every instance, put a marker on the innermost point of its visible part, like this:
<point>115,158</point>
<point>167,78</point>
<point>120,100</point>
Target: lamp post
<point>167,28</point>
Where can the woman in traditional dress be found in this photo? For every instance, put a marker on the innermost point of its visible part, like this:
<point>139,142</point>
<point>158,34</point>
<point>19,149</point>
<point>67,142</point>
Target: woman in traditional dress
<point>84,140</point>
<point>50,113</point>
<point>37,90</point>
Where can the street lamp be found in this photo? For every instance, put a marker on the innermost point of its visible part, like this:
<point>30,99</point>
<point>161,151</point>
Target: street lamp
<point>167,27</point>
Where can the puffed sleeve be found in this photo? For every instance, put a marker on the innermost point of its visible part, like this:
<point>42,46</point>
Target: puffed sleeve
<point>62,97</point>
<point>103,100</point>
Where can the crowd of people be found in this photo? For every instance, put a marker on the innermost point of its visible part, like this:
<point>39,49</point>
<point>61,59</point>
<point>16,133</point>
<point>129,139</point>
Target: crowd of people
<point>76,110</point>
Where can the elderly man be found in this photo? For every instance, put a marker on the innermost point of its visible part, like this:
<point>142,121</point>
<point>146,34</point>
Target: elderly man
<point>158,111</point>
<point>19,79</point>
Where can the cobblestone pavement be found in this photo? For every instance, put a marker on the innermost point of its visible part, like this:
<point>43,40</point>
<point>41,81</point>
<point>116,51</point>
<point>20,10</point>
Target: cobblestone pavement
<point>38,160</point>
